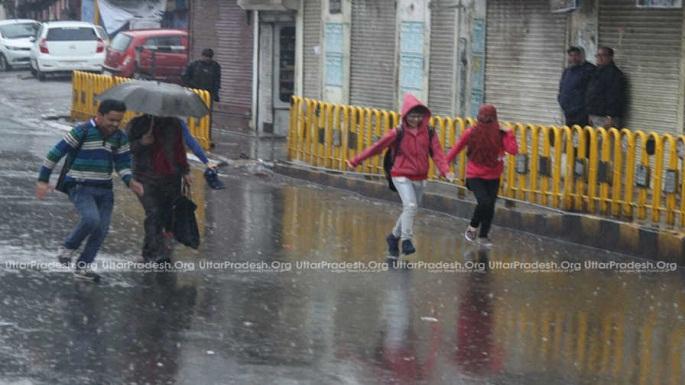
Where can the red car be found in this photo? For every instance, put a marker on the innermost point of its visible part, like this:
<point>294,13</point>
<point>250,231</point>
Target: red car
<point>159,54</point>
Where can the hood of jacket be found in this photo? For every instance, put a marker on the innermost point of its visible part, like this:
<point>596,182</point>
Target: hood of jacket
<point>409,103</point>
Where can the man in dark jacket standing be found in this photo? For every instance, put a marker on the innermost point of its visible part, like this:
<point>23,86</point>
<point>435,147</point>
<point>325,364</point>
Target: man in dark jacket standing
<point>572,87</point>
<point>204,74</point>
<point>606,92</point>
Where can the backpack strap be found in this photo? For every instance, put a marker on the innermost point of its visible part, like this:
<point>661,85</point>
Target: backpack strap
<point>398,140</point>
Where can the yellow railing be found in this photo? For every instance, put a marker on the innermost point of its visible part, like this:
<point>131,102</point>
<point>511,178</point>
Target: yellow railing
<point>86,86</point>
<point>592,170</point>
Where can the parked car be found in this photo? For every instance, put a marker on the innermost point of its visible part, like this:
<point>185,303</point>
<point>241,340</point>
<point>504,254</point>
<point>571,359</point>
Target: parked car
<point>160,54</point>
<point>15,42</point>
<point>65,46</point>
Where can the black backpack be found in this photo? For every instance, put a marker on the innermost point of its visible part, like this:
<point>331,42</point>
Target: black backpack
<point>391,153</point>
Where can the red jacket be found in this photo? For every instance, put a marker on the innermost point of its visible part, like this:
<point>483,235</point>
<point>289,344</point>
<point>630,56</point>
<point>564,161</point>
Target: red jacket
<point>475,170</point>
<point>412,159</point>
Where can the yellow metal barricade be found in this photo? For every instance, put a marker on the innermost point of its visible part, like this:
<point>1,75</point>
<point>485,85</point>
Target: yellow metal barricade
<point>629,173</point>
<point>593,170</point>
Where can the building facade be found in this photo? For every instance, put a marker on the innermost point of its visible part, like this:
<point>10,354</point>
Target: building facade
<point>453,54</point>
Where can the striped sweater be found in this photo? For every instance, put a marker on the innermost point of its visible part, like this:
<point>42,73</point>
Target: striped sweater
<point>94,162</point>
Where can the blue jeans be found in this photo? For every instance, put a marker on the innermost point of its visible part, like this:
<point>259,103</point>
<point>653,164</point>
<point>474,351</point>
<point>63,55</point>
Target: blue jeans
<point>94,205</point>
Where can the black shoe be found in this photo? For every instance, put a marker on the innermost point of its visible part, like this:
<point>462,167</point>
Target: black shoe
<point>86,274</point>
<point>164,263</point>
<point>393,245</point>
<point>212,178</point>
<point>408,247</point>
<point>64,255</point>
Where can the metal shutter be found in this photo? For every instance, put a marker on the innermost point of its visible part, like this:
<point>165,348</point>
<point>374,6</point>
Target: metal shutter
<point>525,56</point>
<point>202,26</point>
<point>312,39</point>
<point>372,61</point>
<point>442,61</point>
<point>647,45</point>
<point>234,54</point>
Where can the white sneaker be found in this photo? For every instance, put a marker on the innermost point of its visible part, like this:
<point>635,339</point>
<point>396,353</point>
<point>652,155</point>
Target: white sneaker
<point>471,233</point>
<point>485,242</point>
<point>86,274</point>
<point>64,255</point>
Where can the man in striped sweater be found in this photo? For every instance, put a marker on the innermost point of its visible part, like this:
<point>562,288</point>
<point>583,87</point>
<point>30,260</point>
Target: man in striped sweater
<point>99,147</point>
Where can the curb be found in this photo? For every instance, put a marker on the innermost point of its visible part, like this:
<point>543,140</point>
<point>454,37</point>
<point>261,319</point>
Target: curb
<point>604,233</point>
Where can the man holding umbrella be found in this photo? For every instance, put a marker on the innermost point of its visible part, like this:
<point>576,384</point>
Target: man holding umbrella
<point>159,155</point>
<point>159,161</point>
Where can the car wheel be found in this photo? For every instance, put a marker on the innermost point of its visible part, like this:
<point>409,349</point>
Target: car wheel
<point>40,75</point>
<point>4,65</point>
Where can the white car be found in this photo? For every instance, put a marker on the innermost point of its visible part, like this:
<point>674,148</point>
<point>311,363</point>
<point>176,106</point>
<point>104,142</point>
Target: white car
<point>15,42</point>
<point>65,46</point>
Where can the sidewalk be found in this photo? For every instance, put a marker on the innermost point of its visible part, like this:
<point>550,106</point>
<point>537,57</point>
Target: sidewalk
<point>245,145</point>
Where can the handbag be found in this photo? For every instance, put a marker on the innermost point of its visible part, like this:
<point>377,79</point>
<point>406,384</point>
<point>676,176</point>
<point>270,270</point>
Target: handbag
<point>184,221</point>
<point>61,186</point>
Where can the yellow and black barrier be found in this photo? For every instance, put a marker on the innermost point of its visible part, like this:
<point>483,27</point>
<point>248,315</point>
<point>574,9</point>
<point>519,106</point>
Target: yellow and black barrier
<point>625,174</point>
<point>86,86</point>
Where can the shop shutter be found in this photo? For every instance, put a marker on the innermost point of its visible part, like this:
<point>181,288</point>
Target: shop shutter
<point>525,56</point>
<point>443,44</point>
<point>234,54</point>
<point>372,61</point>
<point>312,49</point>
<point>647,45</point>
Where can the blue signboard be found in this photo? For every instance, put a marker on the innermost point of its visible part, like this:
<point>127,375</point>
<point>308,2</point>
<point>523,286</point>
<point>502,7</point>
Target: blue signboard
<point>477,65</point>
<point>412,57</point>
<point>411,37</point>
<point>88,10</point>
<point>333,46</point>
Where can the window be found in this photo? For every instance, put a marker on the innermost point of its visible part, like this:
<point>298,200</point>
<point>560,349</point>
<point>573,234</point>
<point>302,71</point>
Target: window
<point>16,31</point>
<point>286,80</point>
<point>334,6</point>
<point>121,42</point>
<point>72,34</point>
<point>164,41</point>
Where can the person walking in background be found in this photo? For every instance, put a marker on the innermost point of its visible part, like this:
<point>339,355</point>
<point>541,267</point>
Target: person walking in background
<point>486,142</point>
<point>204,74</point>
<point>606,92</point>
<point>410,167</point>
<point>160,163</point>
<point>573,86</point>
<point>98,147</point>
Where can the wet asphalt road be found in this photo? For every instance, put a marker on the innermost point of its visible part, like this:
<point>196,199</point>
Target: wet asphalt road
<point>290,287</point>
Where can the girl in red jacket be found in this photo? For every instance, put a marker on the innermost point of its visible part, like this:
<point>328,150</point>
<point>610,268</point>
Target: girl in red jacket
<point>486,143</point>
<point>410,169</point>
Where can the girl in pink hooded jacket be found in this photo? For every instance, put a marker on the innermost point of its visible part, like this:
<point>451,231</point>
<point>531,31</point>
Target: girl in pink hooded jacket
<point>410,169</point>
<point>486,142</point>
